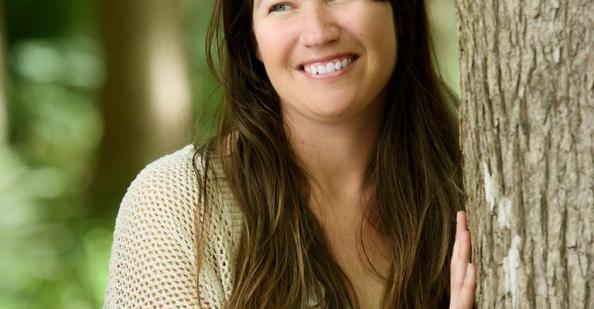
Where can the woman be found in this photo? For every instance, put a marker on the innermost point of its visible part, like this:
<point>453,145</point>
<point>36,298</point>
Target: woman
<point>333,180</point>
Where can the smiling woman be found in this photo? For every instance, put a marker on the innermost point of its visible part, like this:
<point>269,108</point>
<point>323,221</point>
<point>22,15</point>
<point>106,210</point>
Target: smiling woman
<point>304,61</point>
<point>333,181</point>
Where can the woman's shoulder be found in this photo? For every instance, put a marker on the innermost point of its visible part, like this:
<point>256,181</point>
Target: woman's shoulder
<point>165,185</point>
<point>153,250</point>
<point>176,168</point>
<point>154,246</point>
<point>170,187</point>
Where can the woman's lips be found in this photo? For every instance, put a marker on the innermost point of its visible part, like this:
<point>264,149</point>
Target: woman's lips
<point>332,67</point>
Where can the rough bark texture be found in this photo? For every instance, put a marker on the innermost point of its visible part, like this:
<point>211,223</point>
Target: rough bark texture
<point>527,84</point>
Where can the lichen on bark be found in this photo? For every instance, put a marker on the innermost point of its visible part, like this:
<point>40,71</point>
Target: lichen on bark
<point>527,133</point>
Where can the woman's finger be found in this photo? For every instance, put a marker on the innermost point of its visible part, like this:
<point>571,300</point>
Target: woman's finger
<point>464,254</point>
<point>463,276</point>
<point>455,253</point>
<point>459,228</point>
<point>464,247</point>
<point>460,261</point>
<point>461,222</point>
<point>455,265</point>
<point>465,298</point>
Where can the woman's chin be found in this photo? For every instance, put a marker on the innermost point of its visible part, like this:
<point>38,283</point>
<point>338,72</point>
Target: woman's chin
<point>333,114</point>
<point>327,109</point>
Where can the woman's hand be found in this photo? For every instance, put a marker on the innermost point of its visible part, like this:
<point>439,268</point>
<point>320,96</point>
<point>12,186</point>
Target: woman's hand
<point>463,276</point>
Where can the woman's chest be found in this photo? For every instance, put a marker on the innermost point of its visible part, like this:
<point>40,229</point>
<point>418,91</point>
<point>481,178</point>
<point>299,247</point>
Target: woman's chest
<point>363,256</point>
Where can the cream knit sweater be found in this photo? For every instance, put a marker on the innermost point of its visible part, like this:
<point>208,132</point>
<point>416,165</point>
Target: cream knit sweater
<point>154,251</point>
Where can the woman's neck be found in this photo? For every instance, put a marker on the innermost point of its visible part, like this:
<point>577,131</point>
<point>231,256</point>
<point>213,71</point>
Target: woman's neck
<point>336,155</point>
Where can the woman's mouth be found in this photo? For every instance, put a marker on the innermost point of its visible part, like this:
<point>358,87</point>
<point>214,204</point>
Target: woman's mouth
<point>319,69</point>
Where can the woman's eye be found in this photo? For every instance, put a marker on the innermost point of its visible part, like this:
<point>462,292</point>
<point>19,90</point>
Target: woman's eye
<point>280,7</point>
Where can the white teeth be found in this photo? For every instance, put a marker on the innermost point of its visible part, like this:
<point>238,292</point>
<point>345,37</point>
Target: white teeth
<point>321,69</point>
<point>338,65</point>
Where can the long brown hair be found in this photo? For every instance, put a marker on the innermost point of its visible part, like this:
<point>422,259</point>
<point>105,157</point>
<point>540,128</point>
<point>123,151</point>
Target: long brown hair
<point>283,258</point>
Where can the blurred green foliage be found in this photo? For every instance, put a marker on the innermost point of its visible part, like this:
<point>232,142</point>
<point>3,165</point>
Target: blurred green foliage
<point>204,88</point>
<point>53,254</point>
<point>50,245</point>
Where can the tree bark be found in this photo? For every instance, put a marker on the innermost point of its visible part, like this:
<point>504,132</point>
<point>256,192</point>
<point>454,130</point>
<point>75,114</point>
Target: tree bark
<point>527,133</point>
<point>145,100</point>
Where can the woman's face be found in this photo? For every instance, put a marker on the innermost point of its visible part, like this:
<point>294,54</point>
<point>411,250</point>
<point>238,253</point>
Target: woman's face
<point>326,59</point>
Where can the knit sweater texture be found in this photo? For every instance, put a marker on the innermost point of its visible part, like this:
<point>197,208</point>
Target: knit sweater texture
<point>154,253</point>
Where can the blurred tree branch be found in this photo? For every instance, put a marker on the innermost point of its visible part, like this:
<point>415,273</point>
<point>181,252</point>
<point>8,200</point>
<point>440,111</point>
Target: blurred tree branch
<point>145,100</point>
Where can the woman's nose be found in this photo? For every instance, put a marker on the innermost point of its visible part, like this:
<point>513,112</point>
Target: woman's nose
<point>319,27</point>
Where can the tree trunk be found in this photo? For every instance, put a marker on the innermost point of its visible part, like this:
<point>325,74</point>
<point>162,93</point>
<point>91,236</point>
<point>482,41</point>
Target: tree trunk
<point>145,100</point>
<point>527,133</point>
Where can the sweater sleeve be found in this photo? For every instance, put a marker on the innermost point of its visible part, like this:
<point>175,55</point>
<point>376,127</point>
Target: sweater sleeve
<point>153,257</point>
